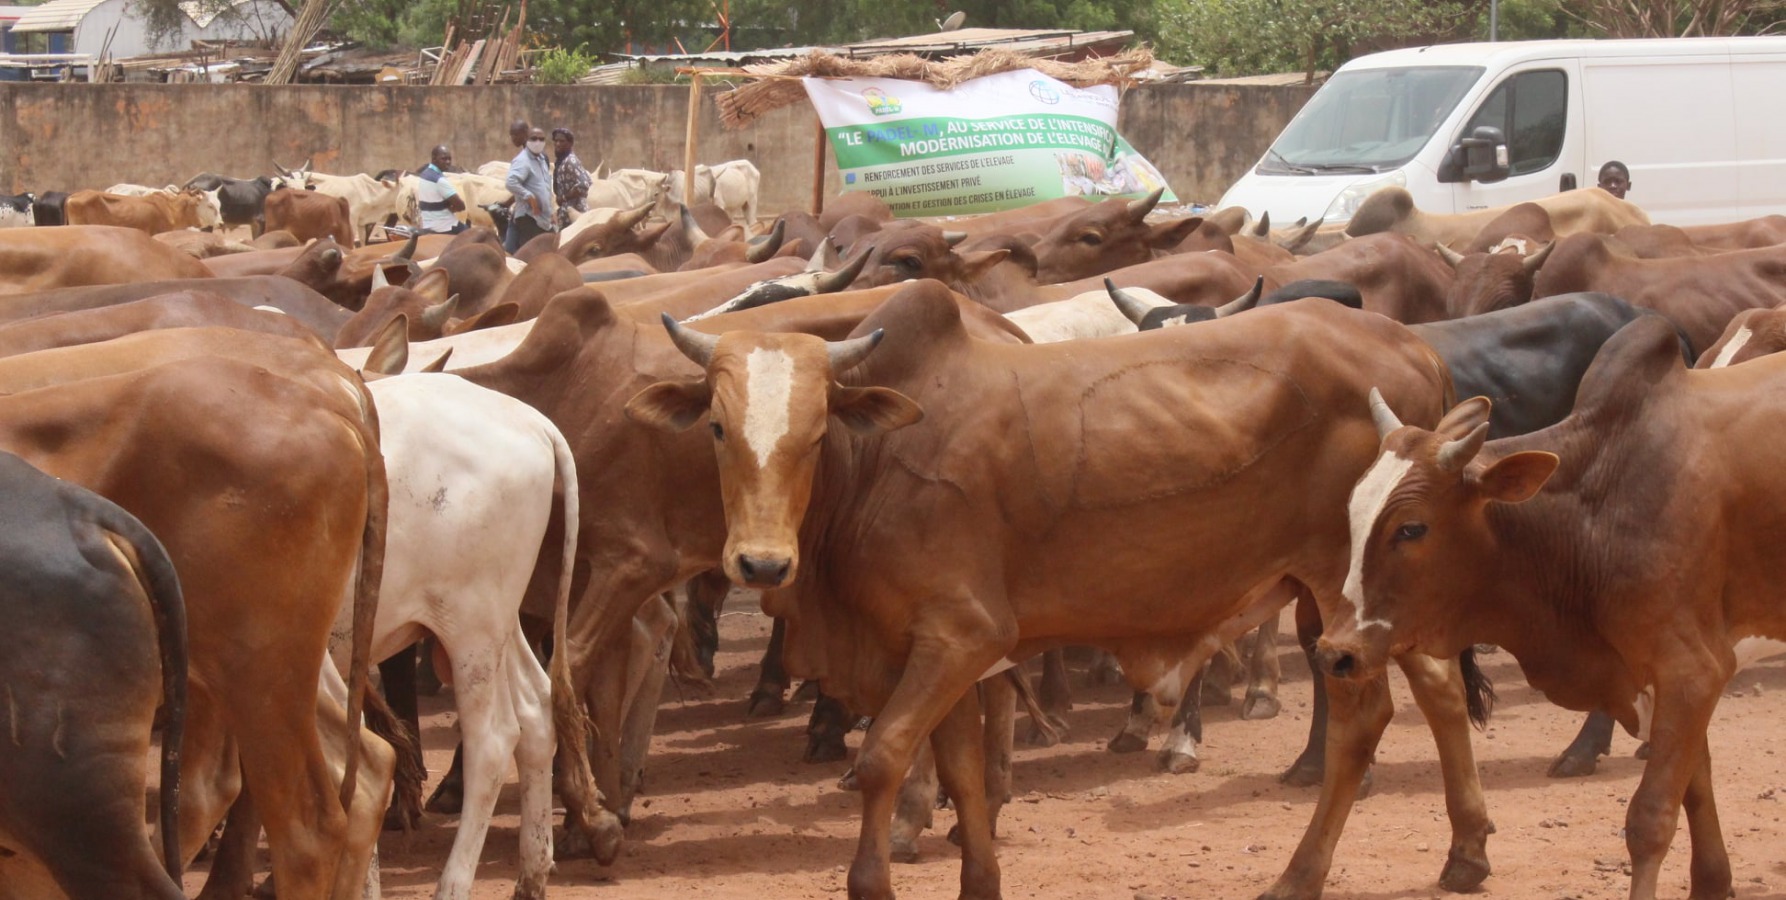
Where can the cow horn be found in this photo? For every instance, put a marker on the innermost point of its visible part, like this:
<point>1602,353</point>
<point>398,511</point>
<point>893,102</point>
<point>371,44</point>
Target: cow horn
<point>1132,309</point>
<point>823,258</point>
<point>1138,209</point>
<point>633,217</point>
<point>408,251</point>
<point>846,355</point>
<point>1537,259</point>
<point>1262,228</point>
<point>766,248</point>
<point>1454,455</point>
<point>438,365</point>
<point>1244,302</point>
<point>378,279</point>
<point>954,237</point>
<point>435,317</point>
<point>831,282</point>
<point>695,345</point>
<point>1383,415</point>
<point>1451,257</point>
<point>693,231</point>
<point>306,166</point>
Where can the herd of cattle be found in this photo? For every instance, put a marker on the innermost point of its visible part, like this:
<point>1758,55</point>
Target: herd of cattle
<point>939,452</point>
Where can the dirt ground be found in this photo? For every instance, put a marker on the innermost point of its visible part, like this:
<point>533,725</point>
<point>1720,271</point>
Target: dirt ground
<point>730,812</point>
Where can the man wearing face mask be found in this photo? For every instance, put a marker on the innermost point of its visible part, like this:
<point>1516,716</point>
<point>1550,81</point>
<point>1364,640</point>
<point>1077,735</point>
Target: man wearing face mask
<point>530,181</point>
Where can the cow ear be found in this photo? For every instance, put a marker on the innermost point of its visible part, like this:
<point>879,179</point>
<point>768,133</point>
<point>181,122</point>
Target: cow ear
<point>390,349</point>
<point>871,410</point>
<point>1463,418</point>
<point>432,286</point>
<point>978,263</point>
<point>495,316</point>
<point>1514,479</point>
<point>1171,234</point>
<point>670,405</point>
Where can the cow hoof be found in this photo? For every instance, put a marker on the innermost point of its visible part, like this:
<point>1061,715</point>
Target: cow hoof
<point>1214,694</point>
<point>1127,743</point>
<point>398,819</point>
<point>848,781</point>
<point>1306,771</point>
<point>764,704</point>
<point>603,846</point>
<point>1571,765</point>
<point>904,853</point>
<point>1040,737</point>
<point>447,800</point>
<point>530,888</point>
<point>807,692</point>
<point>1259,706</point>
<point>1175,763</point>
<point>1463,874</point>
<point>266,891</point>
<point>1643,750</point>
<point>825,749</point>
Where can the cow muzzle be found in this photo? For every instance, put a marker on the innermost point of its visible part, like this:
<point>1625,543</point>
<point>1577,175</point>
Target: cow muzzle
<point>1338,661</point>
<point>762,571</point>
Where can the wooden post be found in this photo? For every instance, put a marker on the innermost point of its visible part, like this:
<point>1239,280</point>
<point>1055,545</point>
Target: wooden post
<point>818,165</point>
<point>694,130</point>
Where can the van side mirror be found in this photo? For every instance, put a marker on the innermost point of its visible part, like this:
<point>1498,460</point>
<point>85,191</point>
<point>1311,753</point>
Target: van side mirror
<point>1484,154</point>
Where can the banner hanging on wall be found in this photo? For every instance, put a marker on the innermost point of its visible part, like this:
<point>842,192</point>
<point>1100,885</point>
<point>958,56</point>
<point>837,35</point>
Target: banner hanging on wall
<point>999,142</point>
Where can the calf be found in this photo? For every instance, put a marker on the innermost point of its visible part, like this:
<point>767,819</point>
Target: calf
<point>96,640</point>
<point>310,216</point>
<point>1527,543</point>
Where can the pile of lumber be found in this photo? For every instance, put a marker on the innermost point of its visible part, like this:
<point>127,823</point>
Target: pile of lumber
<point>468,59</point>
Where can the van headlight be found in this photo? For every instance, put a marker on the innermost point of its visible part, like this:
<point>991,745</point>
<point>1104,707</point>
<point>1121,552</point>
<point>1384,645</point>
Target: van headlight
<point>1343,206</point>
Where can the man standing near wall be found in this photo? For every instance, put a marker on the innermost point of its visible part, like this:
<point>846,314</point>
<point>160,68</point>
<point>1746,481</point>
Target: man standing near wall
<point>530,181</point>
<point>436,199</point>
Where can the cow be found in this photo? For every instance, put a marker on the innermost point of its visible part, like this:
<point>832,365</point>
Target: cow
<point>1049,515</point>
<point>261,577</point>
<point>1571,212</point>
<point>39,259</point>
<point>97,627</point>
<point>151,214</point>
<point>50,209</point>
<point>1659,242</point>
<point>240,201</point>
<point>178,309</point>
<point>1485,281</point>
<point>1521,222</point>
<point>1751,333</point>
<point>476,190</point>
<point>1146,310</point>
<point>1459,540</point>
<point>732,186</point>
<point>202,244</point>
<point>369,201</point>
<point>1700,294</point>
<point>303,306</point>
<point>310,215</point>
<point>15,210</point>
<point>628,189</point>
<point>1749,234</point>
<point>1107,236</point>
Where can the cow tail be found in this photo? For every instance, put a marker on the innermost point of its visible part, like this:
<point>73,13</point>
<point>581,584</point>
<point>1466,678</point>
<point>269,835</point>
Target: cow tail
<point>1479,691</point>
<point>162,585</point>
<point>1045,723</point>
<point>568,716</point>
<point>365,592</point>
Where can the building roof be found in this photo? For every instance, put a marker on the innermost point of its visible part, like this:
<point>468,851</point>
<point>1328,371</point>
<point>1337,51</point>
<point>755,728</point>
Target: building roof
<point>12,12</point>
<point>204,12</point>
<point>56,15</point>
<point>1032,42</point>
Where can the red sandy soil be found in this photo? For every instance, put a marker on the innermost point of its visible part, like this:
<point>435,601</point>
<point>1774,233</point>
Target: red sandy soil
<point>730,811</point>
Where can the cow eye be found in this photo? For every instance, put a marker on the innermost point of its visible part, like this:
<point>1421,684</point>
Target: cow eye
<point>1411,531</point>
<point>719,431</point>
<point>1091,239</point>
<point>911,263</point>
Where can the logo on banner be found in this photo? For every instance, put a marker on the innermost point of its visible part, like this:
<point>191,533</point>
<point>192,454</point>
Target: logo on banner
<point>1043,91</point>
<point>880,104</point>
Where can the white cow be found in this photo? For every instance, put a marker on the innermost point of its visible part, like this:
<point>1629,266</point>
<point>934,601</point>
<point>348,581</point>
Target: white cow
<point>18,211</point>
<point>1088,315</point>
<point>732,185</point>
<point>496,168</point>
<point>472,475</point>
<point>369,201</point>
<point>210,207</point>
<point>628,189</point>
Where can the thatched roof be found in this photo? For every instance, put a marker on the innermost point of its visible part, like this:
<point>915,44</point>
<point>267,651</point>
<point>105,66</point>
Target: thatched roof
<point>778,84</point>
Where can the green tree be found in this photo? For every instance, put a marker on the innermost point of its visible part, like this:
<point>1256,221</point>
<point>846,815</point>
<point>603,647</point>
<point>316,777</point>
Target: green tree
<point>1242,37</point>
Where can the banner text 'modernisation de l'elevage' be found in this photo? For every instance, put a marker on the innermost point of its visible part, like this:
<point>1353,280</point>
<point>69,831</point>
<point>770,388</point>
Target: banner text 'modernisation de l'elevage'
<point>998,142</point>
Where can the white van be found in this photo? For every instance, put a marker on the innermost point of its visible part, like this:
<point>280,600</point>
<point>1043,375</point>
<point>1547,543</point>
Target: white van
<point>1700,122</point>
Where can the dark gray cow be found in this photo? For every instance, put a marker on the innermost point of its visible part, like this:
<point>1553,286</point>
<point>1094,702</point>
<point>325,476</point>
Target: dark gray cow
<point>243,200</point>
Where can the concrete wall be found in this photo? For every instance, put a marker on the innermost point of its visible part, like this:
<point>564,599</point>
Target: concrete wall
<point>69,137</point>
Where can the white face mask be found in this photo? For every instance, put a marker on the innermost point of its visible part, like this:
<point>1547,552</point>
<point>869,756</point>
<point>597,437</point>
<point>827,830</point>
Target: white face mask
<point>537,146</point>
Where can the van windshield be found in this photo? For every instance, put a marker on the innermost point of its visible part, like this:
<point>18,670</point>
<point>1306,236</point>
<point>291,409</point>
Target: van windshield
<point>1370,120</point>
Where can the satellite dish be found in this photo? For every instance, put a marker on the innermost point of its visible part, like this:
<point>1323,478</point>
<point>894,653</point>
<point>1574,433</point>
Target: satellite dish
<point>952,22</point>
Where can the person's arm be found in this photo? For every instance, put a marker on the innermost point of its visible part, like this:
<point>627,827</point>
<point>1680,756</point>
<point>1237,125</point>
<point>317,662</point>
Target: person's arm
<point>579,188</point>
<point>454,202</point>
<point>518,187</point>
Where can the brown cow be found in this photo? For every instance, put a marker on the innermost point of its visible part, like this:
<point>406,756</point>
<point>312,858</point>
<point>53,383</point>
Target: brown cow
<point>1110,235</point>
<point>1748,234</point>
<point>177,309</point>
<point>1751,333</point>
<point>1659,242</point>
<point>296,300</point>
<point>203,244</point>
<point>1527,222</point>
<point>96,633</point>
<point>1571,212</point>
<point>1528,543</point>
<point>1020,512</point>
<point>1700,294</point>
<point>1487,281</point>
<point>310,215</point>
<point>262,575</point>
<point>40,259</point>
<point>151,213</point>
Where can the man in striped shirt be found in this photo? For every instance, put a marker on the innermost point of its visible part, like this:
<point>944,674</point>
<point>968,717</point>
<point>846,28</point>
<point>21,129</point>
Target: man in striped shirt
<point>436,199</point>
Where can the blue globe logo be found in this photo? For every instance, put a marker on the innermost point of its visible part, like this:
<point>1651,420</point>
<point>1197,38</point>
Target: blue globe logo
<point>1045,92</point>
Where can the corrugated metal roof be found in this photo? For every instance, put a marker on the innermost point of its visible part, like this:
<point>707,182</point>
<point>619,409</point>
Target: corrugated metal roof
<point>203,14</point>
<point>1036,42</point>
<point>56,15</point>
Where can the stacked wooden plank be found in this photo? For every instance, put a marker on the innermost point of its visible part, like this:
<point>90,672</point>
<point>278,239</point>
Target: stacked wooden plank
<point>472,59</point>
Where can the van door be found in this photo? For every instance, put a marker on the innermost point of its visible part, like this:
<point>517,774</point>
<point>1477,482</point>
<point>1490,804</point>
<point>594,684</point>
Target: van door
<point>1538,109</point>
<point>1760,135</point>
<point>1672,122</point>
